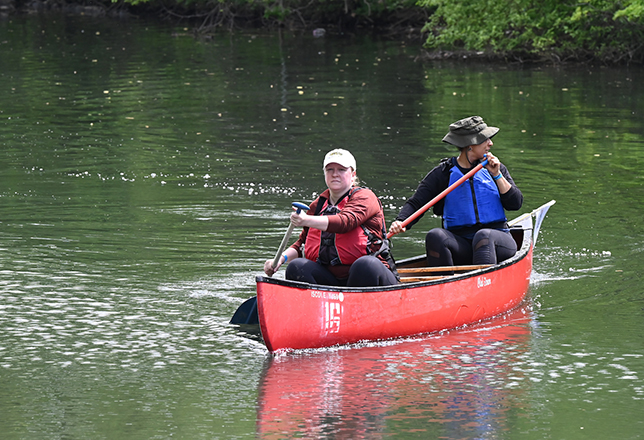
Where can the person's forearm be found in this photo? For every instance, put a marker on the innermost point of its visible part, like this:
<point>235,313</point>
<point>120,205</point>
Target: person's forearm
<point>320,222</point>
<point>502,184</point>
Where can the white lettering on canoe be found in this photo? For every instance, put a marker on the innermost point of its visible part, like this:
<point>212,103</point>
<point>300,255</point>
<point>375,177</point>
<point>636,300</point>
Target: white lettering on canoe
<point>317,294</point>
<point>482,282</point>
<point>332,302</point>
<point>336,296</point>
<point>332,313</point>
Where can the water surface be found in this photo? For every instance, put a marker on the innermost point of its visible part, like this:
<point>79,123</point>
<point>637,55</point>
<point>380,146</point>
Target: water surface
<point>147,175</point>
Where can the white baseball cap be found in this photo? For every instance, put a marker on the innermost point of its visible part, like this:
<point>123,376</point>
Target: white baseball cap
<point>340,156</point>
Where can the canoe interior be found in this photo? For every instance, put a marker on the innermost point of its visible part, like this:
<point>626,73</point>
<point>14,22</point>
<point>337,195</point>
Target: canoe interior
<point>521,234</point>
<point>517,233</point>
<point>413,270</point>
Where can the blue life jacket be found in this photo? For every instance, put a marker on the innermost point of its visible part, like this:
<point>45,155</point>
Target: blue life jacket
<point>475,201</point>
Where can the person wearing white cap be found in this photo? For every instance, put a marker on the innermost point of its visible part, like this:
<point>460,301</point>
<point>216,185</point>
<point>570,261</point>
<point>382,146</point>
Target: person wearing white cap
<point>344,237</point>
<point>475,229</point>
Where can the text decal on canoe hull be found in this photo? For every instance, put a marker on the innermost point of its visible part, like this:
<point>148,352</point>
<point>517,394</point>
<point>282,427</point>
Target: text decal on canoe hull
<point>332,306</point>
<point>332,314</point>
<point>482,282</point>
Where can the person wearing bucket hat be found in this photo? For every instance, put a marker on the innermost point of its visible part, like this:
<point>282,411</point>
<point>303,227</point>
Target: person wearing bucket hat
<point>469,131</point>
<point>474,227</point>
<point>344,235</point>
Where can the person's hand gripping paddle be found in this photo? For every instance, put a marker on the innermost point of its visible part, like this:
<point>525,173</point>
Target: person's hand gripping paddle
<point>298,207</point>
<point>247,312</point>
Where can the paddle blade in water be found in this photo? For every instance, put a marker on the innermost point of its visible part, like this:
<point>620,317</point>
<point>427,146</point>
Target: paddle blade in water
<point>246,313</point>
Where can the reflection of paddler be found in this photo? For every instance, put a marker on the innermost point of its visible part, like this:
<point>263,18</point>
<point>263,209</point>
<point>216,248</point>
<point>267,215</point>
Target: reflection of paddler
<point>460,380</point>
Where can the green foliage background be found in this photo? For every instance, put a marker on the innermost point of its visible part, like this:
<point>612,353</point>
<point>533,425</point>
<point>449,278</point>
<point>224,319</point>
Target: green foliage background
<point>606,30</point>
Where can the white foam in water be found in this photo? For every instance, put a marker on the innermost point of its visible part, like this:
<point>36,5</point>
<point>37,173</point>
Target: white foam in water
<point>556,263</point>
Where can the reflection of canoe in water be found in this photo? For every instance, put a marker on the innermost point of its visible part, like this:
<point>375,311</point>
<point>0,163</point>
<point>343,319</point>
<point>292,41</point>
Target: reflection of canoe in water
<point>295,315</point>
<point>461,384</point>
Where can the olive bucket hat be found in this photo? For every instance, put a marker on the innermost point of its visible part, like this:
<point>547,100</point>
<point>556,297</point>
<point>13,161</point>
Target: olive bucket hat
<point>469,131</point>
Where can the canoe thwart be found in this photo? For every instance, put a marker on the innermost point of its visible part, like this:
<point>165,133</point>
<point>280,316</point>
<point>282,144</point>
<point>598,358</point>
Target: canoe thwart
<point>422,270</point>
<point>418,279</point>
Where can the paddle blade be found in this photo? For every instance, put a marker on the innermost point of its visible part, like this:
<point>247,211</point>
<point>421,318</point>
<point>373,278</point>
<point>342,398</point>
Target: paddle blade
<point>246,313</point>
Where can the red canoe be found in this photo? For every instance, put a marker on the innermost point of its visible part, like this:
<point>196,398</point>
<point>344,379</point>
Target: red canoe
<point>295,315</point>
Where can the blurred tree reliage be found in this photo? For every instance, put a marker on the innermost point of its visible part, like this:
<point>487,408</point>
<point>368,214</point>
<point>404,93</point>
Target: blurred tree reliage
<point>518,30</point>
<point>527,29</point>
<point>397,16</point>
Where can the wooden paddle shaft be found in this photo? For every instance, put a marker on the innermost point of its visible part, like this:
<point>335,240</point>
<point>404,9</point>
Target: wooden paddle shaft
<point>299,207</point>
<point>289,231</point>
<point>446,191</point>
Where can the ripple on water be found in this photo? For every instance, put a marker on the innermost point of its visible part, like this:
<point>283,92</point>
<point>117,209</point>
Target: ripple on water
<point>72,322</point>
<point>552,263</point>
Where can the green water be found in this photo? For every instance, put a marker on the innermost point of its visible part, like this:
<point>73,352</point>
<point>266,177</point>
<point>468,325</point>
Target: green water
<point>145,177</point>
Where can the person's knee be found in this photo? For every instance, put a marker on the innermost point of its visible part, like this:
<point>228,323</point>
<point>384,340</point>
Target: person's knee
<point>480,243</point>
<point>482,235</point>
<point>435,240</point>
<point>370,271</point>
<point>365,263</point>
<point>436,234</point>
<point>296,269</point>
<point>492,246</point>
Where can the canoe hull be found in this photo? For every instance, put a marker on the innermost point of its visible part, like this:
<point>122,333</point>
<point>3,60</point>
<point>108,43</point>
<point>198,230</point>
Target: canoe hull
<point>296,315</point>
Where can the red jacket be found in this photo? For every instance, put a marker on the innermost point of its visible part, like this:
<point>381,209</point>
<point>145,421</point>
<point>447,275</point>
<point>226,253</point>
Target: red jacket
<point>362,209</point>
